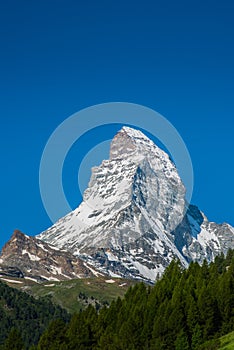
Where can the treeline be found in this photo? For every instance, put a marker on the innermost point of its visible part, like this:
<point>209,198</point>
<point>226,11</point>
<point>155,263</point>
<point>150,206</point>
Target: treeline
<point>185,310</point>
<point>23,319</point>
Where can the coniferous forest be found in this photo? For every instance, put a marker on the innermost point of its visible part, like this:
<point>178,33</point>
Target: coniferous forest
<point>185,310</point>
<point>23,319</point>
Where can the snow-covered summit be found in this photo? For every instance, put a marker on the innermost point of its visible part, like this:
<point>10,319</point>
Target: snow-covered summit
<point>133,219</point>
<point>129,140</point>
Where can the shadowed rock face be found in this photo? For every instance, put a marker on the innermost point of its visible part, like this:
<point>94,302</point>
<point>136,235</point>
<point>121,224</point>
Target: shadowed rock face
<point>28,257</point>
<point>134,218</point>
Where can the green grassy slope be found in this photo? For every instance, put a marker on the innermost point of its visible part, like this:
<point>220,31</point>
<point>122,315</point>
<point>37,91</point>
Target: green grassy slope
<point>227,342</point>
<point>76,294</point>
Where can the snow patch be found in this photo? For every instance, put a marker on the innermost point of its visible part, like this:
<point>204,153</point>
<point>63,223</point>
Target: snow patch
<point>206,237</point>
<point>49,285</point>
<point>50,278</point>
<point>31,279</point>
<point>115,275</point>
<point>111,256</point>
<point>151,274</point>
<point>53,247</point>
<point>31,256</point>
<point>97,274</point>
<point>56,270</point>
<point>11,281</point>
<point>42,247</point>
<point>122,284</point>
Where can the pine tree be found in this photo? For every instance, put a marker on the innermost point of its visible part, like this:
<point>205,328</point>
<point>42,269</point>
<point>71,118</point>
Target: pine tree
<point>13,341</point>
<point>226,299</point>
<point>192,313</point>
<point>54,338</point>
<point>196,337</point>
<point>181,342</point>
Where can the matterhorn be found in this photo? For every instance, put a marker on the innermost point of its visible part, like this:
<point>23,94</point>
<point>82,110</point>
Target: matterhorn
<point>134,218</point>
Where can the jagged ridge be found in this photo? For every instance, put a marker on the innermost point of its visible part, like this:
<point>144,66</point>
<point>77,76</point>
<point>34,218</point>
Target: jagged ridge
<point>28,257</point>
<point>134,218</point>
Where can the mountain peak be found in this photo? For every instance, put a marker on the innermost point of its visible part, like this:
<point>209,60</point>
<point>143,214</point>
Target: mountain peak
<point>129,141</point>
<point>134,218</point>
<point>134,133</point>
<point>17,233</point>
<point>122,144</point>
<point>28,257</point>
<point>132,198</point>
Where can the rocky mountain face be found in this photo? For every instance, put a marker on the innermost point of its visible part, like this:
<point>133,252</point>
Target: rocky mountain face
<point>134,218</point>
<point>198,238</point>
<point>28,257</point>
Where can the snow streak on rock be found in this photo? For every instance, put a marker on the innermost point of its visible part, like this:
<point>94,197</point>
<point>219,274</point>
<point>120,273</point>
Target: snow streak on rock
<point>134,218</point>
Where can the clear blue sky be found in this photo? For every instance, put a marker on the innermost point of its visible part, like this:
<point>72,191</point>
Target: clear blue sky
<point>58,57</point>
